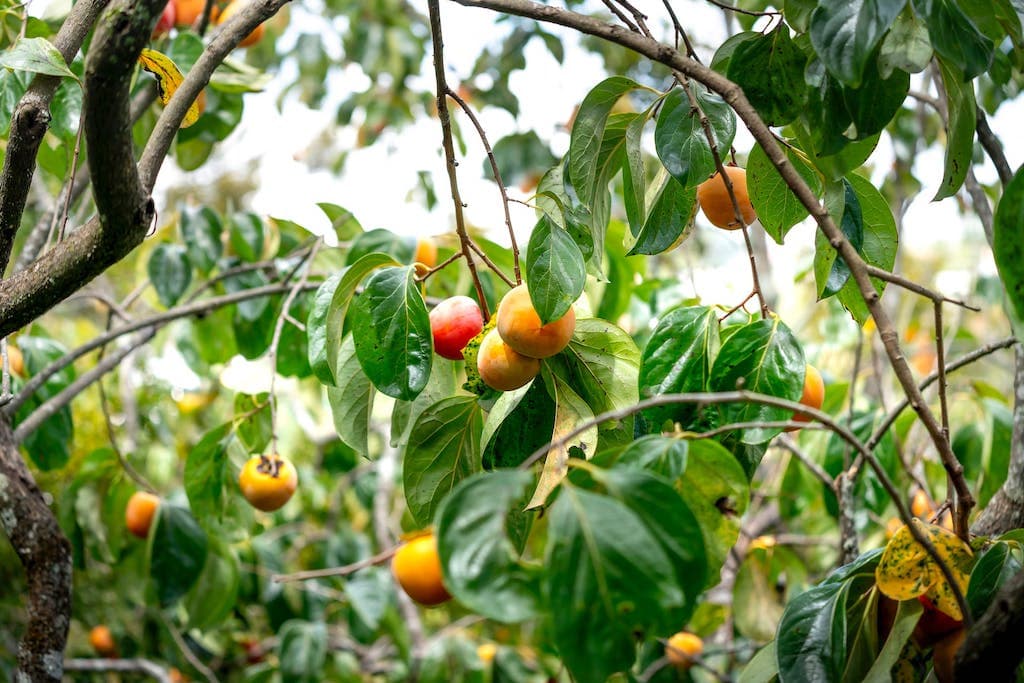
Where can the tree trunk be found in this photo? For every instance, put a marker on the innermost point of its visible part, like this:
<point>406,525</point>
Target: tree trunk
<point>45,554</point>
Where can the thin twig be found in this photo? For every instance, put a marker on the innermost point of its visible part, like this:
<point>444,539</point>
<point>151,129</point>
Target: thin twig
<point>276,339</point>
<point>372,561</point>
<point>186,651</point>
<point>497,177</point>
<point>135,665</point>
<point>784,441</point>
<point>449,151</point>
<point>917,288</point>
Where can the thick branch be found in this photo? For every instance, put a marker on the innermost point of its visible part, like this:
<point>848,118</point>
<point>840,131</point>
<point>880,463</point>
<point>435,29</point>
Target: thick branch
<point>734,96</point>
<point>29,124</point>
<point>46,556</point>
<point>125,212</point>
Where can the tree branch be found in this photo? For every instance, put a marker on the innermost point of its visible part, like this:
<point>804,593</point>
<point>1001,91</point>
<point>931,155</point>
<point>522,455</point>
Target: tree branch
<point>734,96</point>
<point>45,554</point>
<point>142,666</point>
<point>31,120</point>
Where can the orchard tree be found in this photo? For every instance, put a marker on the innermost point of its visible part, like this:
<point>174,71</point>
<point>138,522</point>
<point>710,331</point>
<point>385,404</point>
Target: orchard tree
<point>476,458</point>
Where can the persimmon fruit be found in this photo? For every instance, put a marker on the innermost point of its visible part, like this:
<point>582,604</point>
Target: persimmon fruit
<point>139,513</point>
<point>944,654</point>
<point>417,568</point>
<point>813,395</point>
<point>453,322</point>
<point>166,21</point>
<point>426,252</point>
<point>681,649</point>
<point>520,326</point>
<point>186,12</point>
<point>102,640</point>
<point>15,360</point>
<point>231,10</point>
<point>716,204</point>
<point>268,481</point>
<point>501,367</point>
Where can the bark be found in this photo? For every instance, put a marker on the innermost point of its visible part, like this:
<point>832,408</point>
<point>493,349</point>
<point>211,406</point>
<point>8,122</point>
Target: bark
<point>45,554</point>
<point>29,124</point>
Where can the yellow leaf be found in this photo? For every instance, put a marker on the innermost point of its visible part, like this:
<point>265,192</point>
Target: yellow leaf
<point>906,570</point>
<point>168,78</point>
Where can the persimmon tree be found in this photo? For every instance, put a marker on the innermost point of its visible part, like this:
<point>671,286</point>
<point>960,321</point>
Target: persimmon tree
<point>589,469</point>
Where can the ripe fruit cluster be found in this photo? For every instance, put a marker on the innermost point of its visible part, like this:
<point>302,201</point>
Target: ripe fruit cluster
<point>509,355</point>
<point>716,204</point>
<point>185,14</point>
<point>417,568</point>
<point>268,481</point>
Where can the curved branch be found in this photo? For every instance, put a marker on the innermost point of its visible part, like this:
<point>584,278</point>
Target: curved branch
<point>142,666</point>
<point>230,35</point>
<point>733,95</point>
<point>31,120</point>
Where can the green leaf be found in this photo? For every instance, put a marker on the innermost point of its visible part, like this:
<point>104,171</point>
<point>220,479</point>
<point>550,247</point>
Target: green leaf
<point>960,129</point>
<point>380,241</point>
<point>555,271</point>
<point>770,69</point>
<point>663,455</point>
<point>370,592</point>
<point>679,137</point>
<point>669,519</point>
<point>207,471</point>
<point>763,357</point>
<point>442,384</point>
<point>905,47</point>
<point>351,400</point>
<point>302,649</point>
<point>36,55</point>
<point>345,225</point>
<point>603,364</point>
<point>443,449</point>
<point>766,580</point>
<point>214,595</point>
<point>588,131</point>
<point>1008,241</point>
<point>717,491</point>
<point>634,175</point>
<point>845,33</point>
<point>392,333</point>
<point>670,221</point>
<point>777,207</point>
<point>316,329</point>
<point>201,229</point>
<point>723,55</point>
<point>519,423</point>
<point>607,578</point>
<point>49,445</point>
<point>247,235</point>
<point>678,359</point>
<point>762,667</point>
<point>170,271</point>
<point>482,568</point>
<point>571,411</point>
<point>253,425</point>
<point>999,563</point>
<point>955,37</point>
<point>334,319</point>
<point>907,615</point>
<point>881,239</point>
<point>830,269</point>
<point>811,642</point>
<point>178,550</point>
